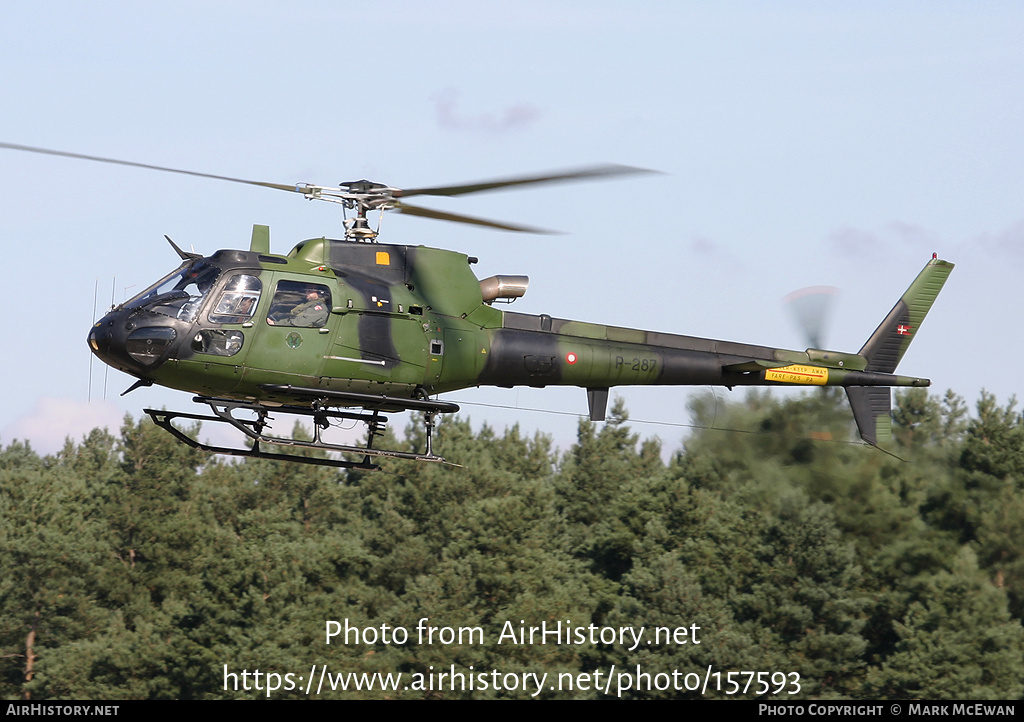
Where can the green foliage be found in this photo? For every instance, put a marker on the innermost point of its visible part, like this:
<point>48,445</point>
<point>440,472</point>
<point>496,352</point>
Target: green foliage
<point>132,566</point>
<point>956,641</point>
<point>995,440</point>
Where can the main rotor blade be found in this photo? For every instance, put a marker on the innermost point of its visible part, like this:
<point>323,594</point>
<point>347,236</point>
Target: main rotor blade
<point>598,171</point>
<point>443,216</point>
<point>367,195</point>
<point>132,164</point>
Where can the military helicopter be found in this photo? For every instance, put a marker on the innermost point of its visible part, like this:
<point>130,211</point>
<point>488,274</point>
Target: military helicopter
<point>351,329</point>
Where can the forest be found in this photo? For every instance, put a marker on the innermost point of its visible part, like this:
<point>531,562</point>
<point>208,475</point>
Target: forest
<point>768,557</point>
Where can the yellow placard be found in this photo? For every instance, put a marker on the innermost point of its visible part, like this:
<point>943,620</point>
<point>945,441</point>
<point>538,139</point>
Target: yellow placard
<point>797,374</point>
<point>383,258</point>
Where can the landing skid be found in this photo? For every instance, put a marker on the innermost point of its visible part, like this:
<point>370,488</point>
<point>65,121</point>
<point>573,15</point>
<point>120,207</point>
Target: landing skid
<point>224,410</point>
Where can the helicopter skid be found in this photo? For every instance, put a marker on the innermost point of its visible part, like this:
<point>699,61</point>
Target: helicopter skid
<point>253,429</point>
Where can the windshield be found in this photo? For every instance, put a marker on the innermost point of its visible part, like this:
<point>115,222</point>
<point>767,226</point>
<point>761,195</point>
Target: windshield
<point>180,294</point>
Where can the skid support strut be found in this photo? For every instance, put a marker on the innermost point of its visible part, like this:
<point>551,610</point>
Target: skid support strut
<point>225,410</point>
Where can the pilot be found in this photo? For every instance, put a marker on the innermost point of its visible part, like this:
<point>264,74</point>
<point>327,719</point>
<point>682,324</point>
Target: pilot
<point>310,313</point>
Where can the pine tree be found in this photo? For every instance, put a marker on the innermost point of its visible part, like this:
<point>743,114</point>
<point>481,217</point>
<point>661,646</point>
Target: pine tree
<point>956,641</point>
<point>51,550</point>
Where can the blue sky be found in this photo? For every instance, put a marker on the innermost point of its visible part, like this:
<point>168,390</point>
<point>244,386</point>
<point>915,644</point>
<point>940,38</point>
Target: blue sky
<point>801,144</point>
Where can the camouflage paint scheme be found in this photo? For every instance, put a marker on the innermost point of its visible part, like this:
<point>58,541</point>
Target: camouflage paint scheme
<point>410,321</point>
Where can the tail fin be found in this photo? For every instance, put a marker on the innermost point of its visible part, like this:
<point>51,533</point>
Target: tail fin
<point>884,350</point>
<point>872,410</point>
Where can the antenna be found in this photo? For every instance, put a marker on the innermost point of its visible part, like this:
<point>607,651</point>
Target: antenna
<point>106,367</point>
<point>95,294</point>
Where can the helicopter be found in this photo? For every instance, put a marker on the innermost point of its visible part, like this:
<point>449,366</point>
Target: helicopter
<point>351,329</point>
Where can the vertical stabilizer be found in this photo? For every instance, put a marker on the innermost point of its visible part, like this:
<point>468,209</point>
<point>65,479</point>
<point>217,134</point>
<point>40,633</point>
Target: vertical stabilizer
<point>872,410</point>
<point>885,349</point>
<point>872,405</point>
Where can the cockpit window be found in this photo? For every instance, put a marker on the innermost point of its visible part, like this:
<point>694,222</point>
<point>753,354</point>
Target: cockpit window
<point>238,300</point>
<point>306,305</point>
<point>180,294</point>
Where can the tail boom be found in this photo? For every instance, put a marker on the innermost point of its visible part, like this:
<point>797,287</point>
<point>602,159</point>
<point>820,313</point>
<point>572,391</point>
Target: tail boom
<point>527,350</point>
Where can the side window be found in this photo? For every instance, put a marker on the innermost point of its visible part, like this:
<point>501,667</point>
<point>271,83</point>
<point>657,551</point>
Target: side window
<point>218,341</point>
<point>237,302</point>
<point>306,305</point>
